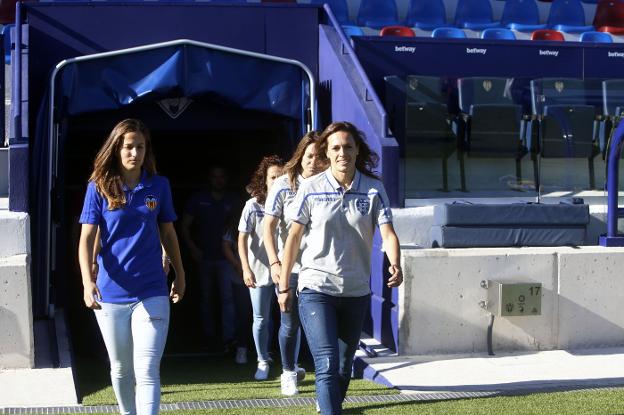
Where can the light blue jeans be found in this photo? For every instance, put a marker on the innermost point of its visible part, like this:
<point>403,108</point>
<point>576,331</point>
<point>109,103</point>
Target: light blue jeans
<point>289,332</point>
<point>261,301</point>
<point>135,335</point>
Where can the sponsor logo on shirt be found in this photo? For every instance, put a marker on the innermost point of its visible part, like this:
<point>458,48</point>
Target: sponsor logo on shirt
<point>362,206</point>
<point>151,202</point>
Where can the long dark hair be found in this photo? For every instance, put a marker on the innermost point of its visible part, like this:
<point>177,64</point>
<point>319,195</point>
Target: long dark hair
<point>293,166</point>
<point>366,160</point>
<point>257,185</point>
<point>106,173</point>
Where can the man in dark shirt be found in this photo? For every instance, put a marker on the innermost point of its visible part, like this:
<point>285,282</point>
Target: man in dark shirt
<point>203,223</point>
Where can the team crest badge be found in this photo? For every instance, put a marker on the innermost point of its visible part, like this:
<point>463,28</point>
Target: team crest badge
<point>151,202</point>
<point>362,206</point>
<point>487,85</point>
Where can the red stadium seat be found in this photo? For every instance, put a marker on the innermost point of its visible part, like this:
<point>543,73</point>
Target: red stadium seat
<point>611,29</point>
<point>401,31</point>
<point>609,13</point>
<point>547,34</point>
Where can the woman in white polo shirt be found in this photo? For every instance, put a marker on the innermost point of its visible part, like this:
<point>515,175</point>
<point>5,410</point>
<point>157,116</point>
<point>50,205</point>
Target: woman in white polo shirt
<point>341,208</point>
<point>254,261</point>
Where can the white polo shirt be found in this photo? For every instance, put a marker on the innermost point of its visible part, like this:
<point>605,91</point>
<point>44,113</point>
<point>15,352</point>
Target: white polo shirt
<point>279,199</point>
<point>251,223</point>
<point>341,226</point>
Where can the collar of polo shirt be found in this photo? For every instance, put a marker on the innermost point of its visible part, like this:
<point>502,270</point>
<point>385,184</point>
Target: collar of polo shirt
<point>355,184</point>
<point>145,181</point>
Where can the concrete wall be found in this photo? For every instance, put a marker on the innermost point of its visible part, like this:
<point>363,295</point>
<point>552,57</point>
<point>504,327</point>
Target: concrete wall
<point>16,322</point>
<point>581,296</point>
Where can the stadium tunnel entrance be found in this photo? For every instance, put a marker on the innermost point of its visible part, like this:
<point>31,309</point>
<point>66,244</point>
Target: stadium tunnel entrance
<point>200,112</point>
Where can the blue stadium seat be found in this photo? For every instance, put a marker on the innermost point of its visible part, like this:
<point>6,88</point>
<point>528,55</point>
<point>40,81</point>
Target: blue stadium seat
<point>426,14</point>
<point>566,123</point>
<point>352,30</point>
<point>339,8</point>
<point>6,36</point>
<point>419,117</point>
<point>568,16</point>
<point>521,15</point>
<point>377,13</point>
<point>474,14</point>
<point>498,33</point>
<point>492,121</point>
<point>448,32</point>
<point>596,37</point>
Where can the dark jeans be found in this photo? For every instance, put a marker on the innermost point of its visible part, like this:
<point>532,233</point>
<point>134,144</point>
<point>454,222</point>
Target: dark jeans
<point>242,305</point>
<point>209,271</point>
<point>332,326</point>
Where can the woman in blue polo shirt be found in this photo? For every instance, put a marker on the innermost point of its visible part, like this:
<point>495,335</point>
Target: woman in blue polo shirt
<point>340,208</point>
<point>132,208</point>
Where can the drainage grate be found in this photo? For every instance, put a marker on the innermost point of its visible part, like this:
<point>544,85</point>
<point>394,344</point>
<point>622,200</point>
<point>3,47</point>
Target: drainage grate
<point>288,402</point>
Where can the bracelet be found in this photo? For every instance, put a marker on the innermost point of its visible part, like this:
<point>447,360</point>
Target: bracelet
<point>276,262</point>
<point>284,291</point>
<point>166,258</point>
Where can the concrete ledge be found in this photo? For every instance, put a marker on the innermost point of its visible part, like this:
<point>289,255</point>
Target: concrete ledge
<point>15,228</point>
<point>16,342</point>
<point>439,311</point>
<point>37,387</point>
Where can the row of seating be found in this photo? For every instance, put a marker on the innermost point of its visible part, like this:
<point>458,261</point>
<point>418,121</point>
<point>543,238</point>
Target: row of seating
<point>491,33</point>
<point>521,15</point>
<point>486,117</point>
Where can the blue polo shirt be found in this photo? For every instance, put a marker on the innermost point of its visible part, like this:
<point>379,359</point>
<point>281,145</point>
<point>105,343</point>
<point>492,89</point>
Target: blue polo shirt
<point>130,265</point>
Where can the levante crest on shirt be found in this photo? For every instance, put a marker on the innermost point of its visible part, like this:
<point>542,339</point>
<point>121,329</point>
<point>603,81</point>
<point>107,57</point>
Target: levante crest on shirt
<point>362,206</point>
<point>151,202</point>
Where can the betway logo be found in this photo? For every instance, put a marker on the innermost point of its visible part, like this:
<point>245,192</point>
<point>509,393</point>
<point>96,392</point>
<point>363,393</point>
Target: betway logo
<point>409,49</point>
<point>616,54</point>
<point>549,52</point>
<point>476,50</point>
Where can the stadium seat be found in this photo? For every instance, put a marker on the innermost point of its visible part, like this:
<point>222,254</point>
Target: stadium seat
<point>352,30</point>
<point>474,15</point>
<point>400,31</point>
<point>377,14</point>
<point>498,33</point>
<point>426,14</point>
<point>565,121</point>
<point>6,36</point>
<point>448,32</point>
<point>420,120</point>
<point>521,15</point>
<point>568,16</point>
<point>596,37</point>
<point>609,17</point>
<point>340,9</point>
<point>493,122</point>
<point>547,34</point>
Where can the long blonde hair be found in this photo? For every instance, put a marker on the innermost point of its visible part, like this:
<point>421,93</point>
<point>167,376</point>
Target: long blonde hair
<point>293,166</point>
<point>106,173</point>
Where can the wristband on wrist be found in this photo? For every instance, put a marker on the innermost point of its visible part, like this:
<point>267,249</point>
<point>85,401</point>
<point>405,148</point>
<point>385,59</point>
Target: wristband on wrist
<point>276,262</point>
<point>284,291</point>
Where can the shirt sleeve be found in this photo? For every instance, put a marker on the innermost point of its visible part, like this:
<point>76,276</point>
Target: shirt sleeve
<point>247,220</point>
<point>166,212</point>
<point>92,207</point>
<point>383,213</point>
<point>274,204</point>
<point>299,210</point>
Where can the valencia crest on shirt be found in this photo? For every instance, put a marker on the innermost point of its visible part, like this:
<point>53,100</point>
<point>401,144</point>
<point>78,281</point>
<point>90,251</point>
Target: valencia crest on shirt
<point>362,206</point>
<point>151,202</point>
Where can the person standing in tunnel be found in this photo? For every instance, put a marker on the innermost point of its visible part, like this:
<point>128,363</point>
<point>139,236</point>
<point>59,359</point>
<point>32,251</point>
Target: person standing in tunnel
<point>340,209</point>
<point>133,209</point>
<point>254,261</point>
<point>303,164</point>
<point>203,225</point>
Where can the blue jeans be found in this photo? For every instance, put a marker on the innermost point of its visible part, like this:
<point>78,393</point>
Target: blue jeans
<point>289,333</point>
<point>135,335</point>
<point>208,272</point>
<point>332,326</point>
<point>261,301</point>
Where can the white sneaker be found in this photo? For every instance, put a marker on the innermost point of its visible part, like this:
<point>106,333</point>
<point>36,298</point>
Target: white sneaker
<point>263,371</point>
<point>318,408</point>
<point>289,383</point>
<point>300,373</point>
<point>241,355</point>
